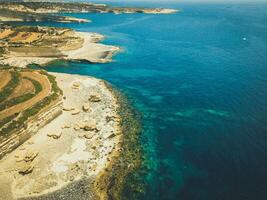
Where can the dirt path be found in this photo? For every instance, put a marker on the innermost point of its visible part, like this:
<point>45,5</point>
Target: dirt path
<point>43,80</point>
<point>5,77</point>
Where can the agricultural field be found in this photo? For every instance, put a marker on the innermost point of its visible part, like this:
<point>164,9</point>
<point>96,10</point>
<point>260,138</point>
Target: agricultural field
<point>9,13</point>
<point>36,42</point>
<point>23,94</point>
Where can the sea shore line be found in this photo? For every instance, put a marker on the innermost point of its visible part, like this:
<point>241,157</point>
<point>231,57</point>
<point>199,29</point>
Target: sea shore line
<point>75,155</point>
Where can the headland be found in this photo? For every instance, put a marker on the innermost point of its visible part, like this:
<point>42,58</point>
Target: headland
<point>24,45</point>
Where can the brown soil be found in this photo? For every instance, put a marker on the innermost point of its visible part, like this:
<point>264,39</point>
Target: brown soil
<point>34,52</point>
<point>25,86</point>
<point>26,37</point>
<point>5,77</point>
<point>43,80</point>
<point>5,33</point>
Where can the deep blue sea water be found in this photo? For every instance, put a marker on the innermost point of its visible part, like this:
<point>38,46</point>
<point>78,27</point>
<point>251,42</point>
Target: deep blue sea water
<point>199,78</point>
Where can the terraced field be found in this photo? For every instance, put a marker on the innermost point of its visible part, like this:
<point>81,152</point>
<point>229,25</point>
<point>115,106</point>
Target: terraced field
<point>5,77</point>
<point>36,42</point>
<point>23,94</point>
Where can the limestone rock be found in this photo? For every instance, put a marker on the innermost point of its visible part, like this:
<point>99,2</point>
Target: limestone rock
<point>81,125</point>
<point>110,136</point>
<point>90,126</point>
<point>75,86</point>
<point>76,127</point>
<point>55,135</point>
<point>68,108</point>
<point>81,135</point>
<point>19,158</point>
<point>30,156</point>
<point>95,98</point>
<point>113,118</point>
<point>66,126</point>
<point>26,168</point>
<point>88,135</point>
<point>86,107</point>
<point>75,111</point>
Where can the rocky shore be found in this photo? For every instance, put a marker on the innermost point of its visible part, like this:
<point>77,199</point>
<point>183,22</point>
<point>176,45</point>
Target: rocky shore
<point>65,157</point>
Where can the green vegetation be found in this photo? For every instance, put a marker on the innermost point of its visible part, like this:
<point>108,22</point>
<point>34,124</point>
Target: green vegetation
<point>27,114</point>
<point>37,87</point>
<point>2,51</point>
<point>7,120</point>
<point>8,89</point>
<point>53,82</point>
<point>29,16</point>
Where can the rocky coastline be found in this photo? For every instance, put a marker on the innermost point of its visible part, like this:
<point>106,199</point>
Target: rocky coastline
<point>89,142</point>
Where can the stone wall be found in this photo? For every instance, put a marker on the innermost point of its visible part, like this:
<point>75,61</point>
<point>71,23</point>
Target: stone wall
<point>18,137</point>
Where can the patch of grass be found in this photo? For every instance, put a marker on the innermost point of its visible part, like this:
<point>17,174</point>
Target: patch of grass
<point>17,100</point>
<point>12,84</point>
<point>7,120</point>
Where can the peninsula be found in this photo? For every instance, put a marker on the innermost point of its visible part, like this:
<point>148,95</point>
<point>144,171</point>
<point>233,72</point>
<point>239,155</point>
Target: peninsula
<point>62,7</point>
<point>24,45</point>
<point>47,11</point>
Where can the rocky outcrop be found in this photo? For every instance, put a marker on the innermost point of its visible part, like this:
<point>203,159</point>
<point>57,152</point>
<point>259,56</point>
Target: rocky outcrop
<point>55,135</point>
<point>94,97</point>
<point>86,107</point>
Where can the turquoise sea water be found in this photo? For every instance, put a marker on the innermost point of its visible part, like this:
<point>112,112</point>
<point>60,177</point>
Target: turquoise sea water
<point>199,79</point>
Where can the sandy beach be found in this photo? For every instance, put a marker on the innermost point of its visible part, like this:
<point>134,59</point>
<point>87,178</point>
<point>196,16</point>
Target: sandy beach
<point>69,152</point>
<point>91,50</point>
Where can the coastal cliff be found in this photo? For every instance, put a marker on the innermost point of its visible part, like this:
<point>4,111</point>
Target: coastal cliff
<point>18,137</point>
